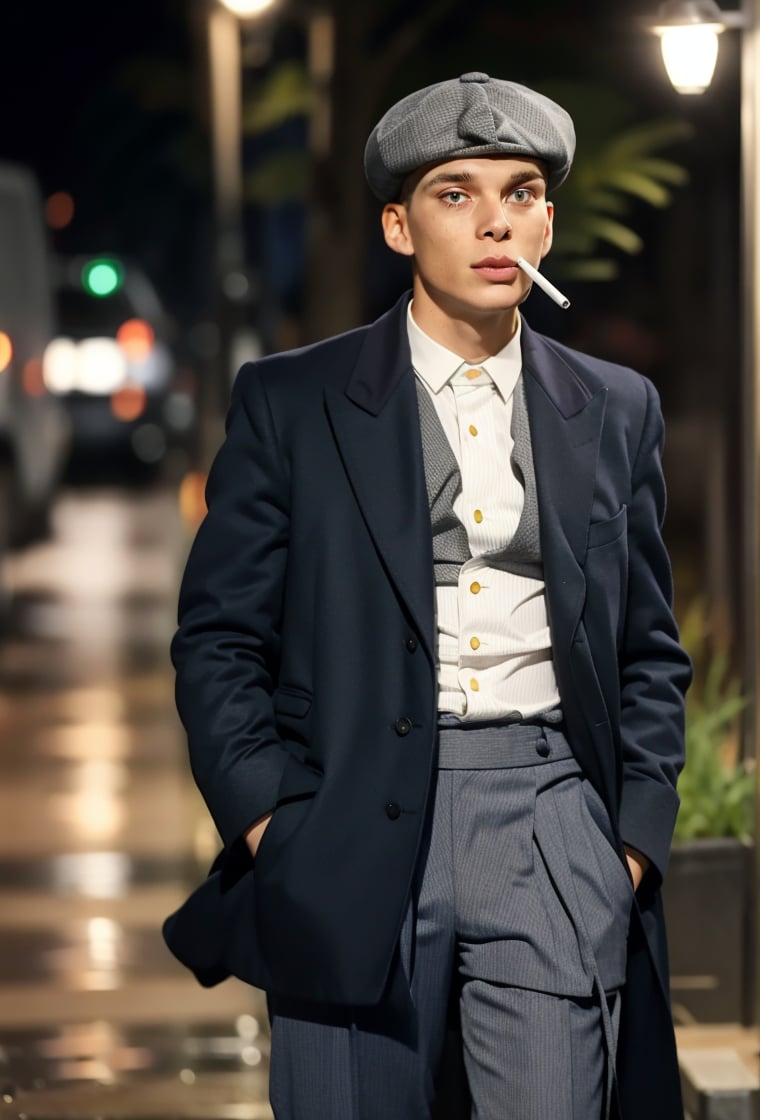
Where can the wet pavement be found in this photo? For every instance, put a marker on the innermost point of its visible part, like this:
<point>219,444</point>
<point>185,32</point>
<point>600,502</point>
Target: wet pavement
<point>101,835</point>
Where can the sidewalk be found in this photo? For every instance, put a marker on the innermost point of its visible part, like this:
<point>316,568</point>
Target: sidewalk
<point>720,1071</point>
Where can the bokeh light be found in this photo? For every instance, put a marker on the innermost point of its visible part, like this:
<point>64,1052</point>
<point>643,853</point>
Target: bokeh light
<point>129,403</point>
<point>6,351</point>
<point>101,365</point>
<point>192,498</point>
<point>60,365</point>
<point>136,338</point>
<point>102,277</point>
<point>33,379</point>
<point>59,210</point>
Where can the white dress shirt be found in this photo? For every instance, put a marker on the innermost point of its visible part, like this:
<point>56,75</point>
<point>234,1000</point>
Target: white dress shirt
<point>494,646</point>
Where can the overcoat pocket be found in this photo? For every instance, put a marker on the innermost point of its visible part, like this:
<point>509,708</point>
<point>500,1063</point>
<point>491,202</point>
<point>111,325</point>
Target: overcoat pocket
<point>291,702</point>
<point>604,532</point>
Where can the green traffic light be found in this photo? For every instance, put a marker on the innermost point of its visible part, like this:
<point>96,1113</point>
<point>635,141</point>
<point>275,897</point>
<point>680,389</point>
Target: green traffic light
<point>102,277</point>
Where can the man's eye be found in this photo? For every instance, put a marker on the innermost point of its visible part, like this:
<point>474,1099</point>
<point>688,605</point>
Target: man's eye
<point>454,198</point>
<point>521,194</point>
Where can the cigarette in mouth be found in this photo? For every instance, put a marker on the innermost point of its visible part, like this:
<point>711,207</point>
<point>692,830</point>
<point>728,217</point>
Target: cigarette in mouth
<point>543,283</point>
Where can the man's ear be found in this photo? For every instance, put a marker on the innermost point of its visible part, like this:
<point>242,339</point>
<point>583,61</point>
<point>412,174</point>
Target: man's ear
<point>549,230</point>
<point>396,228</point>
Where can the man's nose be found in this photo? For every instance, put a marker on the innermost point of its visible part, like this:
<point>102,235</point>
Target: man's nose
<point>495,223</point>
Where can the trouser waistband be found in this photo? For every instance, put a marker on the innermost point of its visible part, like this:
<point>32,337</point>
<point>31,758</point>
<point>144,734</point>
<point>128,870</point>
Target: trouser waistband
<point>500,747</point>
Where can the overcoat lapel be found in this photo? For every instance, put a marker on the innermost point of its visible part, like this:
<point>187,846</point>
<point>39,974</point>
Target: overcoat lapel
<point>376,425</point>
<point>566,425</point>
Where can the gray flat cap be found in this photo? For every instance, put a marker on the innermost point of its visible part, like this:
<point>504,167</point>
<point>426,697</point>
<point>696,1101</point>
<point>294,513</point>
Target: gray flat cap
<point>469,116</point>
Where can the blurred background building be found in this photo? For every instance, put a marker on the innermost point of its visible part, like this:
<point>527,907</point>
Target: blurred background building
<point>181,190</point>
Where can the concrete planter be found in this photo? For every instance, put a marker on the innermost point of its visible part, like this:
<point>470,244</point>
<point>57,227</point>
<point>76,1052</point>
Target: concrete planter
<point>707,906</point>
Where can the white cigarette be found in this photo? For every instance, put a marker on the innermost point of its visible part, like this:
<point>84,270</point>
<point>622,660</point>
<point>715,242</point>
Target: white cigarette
<point>543,283</point>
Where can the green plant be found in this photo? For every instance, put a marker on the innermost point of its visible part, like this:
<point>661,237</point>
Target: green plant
<point>717,792</point>
<point>617,165</point>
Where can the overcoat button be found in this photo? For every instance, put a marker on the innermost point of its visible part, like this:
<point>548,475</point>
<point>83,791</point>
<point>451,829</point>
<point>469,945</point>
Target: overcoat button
<point>411,644</point>
<point>392,811</point>
<point>403,726</point>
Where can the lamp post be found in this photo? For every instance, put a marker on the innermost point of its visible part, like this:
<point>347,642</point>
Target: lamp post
<point>223,38</point>
<point>689,31</point>
<point>750,144</point>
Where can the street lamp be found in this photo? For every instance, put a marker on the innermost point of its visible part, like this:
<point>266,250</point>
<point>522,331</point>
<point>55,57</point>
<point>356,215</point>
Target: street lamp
<point>689,31</point>
<point>676,21</point>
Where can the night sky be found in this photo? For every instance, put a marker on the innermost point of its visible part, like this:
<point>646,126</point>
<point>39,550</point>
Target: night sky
<point>60,59</point>
<point>102,101</point>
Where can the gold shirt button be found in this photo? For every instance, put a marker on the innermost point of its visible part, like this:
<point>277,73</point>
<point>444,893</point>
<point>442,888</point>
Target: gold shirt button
<point>471,374</point>
<point>478,515</point>
<point>475,588</point>
<point>473,430</point>
<point>474,643</point>
<point>474,685</point>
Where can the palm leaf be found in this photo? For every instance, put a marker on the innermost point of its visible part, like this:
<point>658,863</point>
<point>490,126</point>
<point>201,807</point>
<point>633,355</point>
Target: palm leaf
<point>594,269</point>
<point>606,201</point>
<point>287,93</point>
<point>640,140</point>
<point>631,180</point>
<point>618,166</point>
<point>615,233</point>
<point>664,170</point>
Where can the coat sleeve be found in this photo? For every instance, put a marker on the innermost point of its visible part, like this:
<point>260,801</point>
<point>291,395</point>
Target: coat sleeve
<point>654,669</point>
<point>226,649</point>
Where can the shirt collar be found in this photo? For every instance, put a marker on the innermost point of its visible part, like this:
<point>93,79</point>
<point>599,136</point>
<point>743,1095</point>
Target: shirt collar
<point>436,365</point>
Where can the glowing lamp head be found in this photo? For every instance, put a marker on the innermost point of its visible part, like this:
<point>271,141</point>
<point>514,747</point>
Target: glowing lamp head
<point>689,31</point>
<point>245,9</point>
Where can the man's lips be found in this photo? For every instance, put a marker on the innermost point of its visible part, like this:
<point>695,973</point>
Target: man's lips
<point>496,262</point>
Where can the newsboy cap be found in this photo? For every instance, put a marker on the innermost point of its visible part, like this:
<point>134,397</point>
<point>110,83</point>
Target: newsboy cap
<point>469,116</point>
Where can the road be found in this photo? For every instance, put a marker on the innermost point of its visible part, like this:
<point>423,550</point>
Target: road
<point>101,835</point>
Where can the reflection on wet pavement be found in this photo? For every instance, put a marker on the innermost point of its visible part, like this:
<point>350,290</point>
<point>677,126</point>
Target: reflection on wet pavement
<point>102,833</point>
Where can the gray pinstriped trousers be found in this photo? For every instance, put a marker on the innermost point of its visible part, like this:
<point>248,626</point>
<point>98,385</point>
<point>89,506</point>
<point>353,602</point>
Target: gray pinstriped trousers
<point>522,899</point>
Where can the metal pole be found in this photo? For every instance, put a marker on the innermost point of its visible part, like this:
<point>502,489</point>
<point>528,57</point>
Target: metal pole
<point>225,83</point>
<point>224,59</point>
<point>750,178</point>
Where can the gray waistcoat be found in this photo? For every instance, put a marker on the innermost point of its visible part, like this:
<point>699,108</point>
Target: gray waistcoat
<point>521,555</point>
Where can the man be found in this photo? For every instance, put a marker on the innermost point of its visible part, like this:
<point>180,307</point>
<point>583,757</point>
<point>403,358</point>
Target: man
<point>430,675</point>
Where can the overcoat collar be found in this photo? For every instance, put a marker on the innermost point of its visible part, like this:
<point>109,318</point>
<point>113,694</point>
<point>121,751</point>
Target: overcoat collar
<point>376,425</point>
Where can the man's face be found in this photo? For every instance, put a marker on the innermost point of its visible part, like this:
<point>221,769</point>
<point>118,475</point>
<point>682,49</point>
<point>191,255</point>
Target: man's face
<point>465,223</point>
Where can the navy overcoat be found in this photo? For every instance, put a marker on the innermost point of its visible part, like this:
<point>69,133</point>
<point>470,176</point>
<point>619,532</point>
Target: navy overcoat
<point>306,675</point>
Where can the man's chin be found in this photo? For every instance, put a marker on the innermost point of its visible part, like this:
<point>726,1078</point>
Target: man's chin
<point>488,303</point>
<point>494,303</point>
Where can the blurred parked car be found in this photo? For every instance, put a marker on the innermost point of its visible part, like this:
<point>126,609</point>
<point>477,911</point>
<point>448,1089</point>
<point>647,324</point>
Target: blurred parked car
<point>113,367</point>
<point>33,426</point>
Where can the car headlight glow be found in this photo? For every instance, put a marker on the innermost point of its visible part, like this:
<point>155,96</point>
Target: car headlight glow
<point>95,365</point>
<point>102,366</point>
<point>59,365</point>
